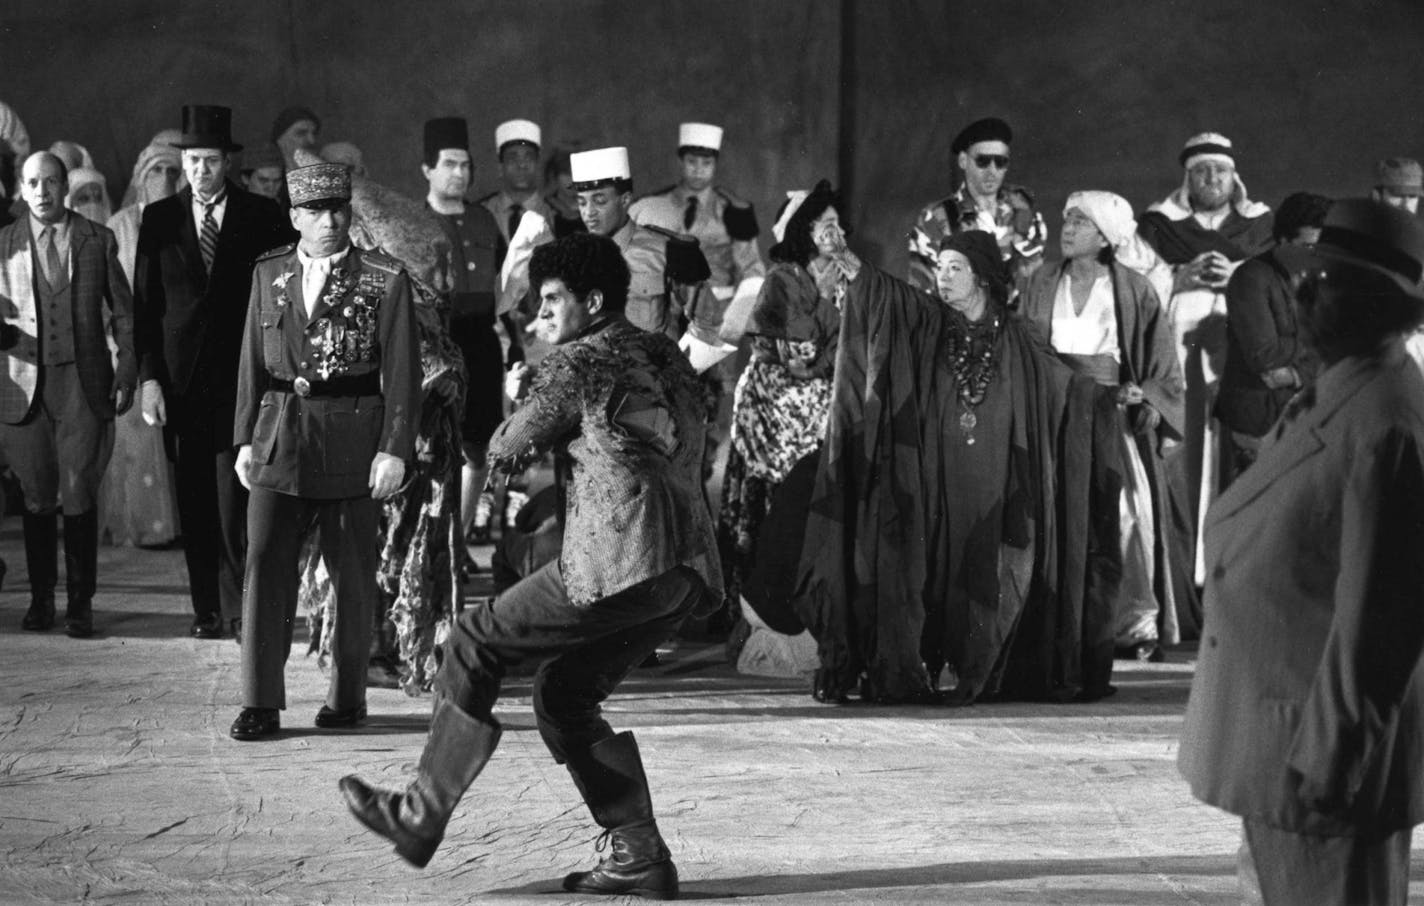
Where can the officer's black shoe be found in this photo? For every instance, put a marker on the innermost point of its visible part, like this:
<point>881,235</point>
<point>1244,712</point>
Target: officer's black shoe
<point>79,619</point>
<point>209,627</point>
<point>329,718</point>
<point>40,616</point>
<point>256,723</point>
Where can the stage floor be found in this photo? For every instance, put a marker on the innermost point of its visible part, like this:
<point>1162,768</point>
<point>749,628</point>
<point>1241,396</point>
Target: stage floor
<point>121,785</point>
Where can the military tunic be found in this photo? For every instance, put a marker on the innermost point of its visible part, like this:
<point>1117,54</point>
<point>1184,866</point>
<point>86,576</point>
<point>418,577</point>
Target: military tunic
<point>318,397</point>
<point>667,297</point>
<point>501,207</point>
<point>725,231</point>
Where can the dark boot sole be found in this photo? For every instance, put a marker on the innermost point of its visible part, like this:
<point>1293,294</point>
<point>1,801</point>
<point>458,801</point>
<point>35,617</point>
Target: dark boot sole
<point>600,883</point>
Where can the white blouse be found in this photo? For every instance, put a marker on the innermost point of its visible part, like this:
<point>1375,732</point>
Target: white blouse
<point>1094,332</point>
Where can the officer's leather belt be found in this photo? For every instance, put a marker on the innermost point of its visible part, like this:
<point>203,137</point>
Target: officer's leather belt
<point>347,385</point>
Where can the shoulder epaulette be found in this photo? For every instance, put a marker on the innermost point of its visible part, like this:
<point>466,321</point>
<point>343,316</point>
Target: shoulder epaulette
<point>382,261</point>
<point>277,252</point>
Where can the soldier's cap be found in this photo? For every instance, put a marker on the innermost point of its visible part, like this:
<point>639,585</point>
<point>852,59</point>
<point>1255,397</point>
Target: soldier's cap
<point>701,137</point>
<point>524,131</point>
<point>598,168</point>
<point>1400,176</point>
<point>319,186</point>
<point>989,129</point>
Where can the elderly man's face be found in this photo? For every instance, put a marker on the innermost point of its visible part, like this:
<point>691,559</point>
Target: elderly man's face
<point>985,164</point>
<point>43,185</point>
<point>301,134</point>
<point>1399,200</point>
<point>206,169</point>
<point>1210,184</point>
<point>604,210</point>
<point>325,229</point>
<point>265,181</point>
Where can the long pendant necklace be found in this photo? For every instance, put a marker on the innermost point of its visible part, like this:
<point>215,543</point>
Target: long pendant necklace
<point>972,349</point>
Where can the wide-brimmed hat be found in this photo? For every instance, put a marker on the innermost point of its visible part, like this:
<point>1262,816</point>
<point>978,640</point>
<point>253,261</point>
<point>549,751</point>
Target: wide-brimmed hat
<point>206,126</point>
<point>1374,236</point>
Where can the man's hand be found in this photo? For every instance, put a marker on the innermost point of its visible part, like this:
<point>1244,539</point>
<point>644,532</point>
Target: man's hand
<point>387,473</point>
<point>1281,378</point>
<point>517,381</point>
<point>151,404</point>
<point>122,396</point>
<point>1209,270</point>
<point>1146,420</point>
<point>243,463</point>
<point>1129,394</point>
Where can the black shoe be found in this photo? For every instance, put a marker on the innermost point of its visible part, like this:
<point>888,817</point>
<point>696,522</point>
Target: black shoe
<point>40,616</point>
<point>207,627</point>
<point>256,723</point>
<point>235,628</point>
<point>329,718</point>
<point>79,619</point>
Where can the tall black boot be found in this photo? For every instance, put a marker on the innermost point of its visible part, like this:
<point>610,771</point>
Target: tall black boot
<point>81,568</point>
<point>41,557</point>
<point>613,784</point>
<point>456,751</point>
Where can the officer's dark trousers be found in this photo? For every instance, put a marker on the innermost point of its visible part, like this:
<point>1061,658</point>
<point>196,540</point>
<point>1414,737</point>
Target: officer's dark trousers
<point>350,545</point>
<point>211,507</point>
<point>583,652</point>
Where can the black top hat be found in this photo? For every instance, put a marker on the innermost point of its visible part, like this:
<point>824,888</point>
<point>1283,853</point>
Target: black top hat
<point>1375,236</point>
<point>207,127</point>
<point>445,132</point>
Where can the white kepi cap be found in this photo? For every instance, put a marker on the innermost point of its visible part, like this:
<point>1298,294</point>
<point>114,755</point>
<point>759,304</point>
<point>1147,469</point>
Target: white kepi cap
<point>591,169</point>
<point>517,131</point>
<point>699,135</point>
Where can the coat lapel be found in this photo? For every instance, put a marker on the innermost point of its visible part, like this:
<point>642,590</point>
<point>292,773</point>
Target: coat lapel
<point>19,276</point>
<point>188,242</point>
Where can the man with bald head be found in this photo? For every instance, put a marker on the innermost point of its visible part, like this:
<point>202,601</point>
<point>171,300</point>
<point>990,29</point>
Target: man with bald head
<point>63,290</point>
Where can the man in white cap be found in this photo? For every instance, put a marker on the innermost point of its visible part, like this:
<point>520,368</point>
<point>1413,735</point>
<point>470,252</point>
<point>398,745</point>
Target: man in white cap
<point>669,291</point>
<point>516,143</point>
<point>1202,230</point>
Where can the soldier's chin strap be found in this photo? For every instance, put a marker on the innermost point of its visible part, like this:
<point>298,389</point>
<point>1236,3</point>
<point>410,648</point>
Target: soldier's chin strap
<point>701,354</point>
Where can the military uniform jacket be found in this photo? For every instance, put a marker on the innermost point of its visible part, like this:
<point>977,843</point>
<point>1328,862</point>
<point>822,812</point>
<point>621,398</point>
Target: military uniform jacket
<point>729,243</point>
<point>667,299</point>
<point>1307,705</point>
<point>627,408</point>
<point>322,446</point>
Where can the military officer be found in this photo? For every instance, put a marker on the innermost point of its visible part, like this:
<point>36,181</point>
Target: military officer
<point>669,292</point>
<point>327,405</point>
<point>516,144</point>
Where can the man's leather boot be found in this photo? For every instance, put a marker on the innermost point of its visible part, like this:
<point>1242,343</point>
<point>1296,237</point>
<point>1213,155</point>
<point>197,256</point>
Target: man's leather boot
<point>456,751</point>
<point>81,567</point>
<point>610,777</point>
<point>41,558</point>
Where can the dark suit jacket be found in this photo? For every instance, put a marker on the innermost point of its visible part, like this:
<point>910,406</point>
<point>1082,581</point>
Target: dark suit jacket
<point>1307,707</point>
<point>319,447</point>
<point>96,279</point>
<point>189,322</point>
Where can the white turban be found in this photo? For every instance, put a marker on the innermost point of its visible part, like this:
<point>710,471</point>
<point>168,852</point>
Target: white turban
<point>1113,217</point>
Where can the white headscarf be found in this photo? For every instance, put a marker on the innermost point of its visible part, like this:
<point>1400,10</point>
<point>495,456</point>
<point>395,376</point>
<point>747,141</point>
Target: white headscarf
<point>794,201</point>
<point>97,211</point>
<point>73,154</point>
<point>1113,217</point>
<point>149,158</point>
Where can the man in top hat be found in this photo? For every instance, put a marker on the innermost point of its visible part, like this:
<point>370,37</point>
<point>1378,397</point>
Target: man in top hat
<point>1306,714</point>
<point>516,144</point>
<point>327,406</point>
<point>1399,181</point>
<point>1203,230</point>
<point>983,201</point>
<point>262,171</point>
<point>295,127</point>
<point>192,274</point>
<point>59,392</point>
<point>477,252</point>
<point>669,291</point>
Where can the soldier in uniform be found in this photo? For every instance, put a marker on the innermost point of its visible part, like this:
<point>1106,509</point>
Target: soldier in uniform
<point>669,292</point>
<point>983,201</point>
<point>327,407</point>
<point>478,250</point>
<point>516,143</point>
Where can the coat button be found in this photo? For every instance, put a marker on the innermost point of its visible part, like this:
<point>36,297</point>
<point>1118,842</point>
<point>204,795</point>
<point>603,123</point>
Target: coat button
<point>306,366</point>
<point>1211,640</point>
<point>1219,573</point>
<point>469,265</point>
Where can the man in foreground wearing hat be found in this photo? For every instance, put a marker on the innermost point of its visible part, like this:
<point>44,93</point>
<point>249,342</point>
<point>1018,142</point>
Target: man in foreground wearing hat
<point>192,273</point>
<point>1399,181</point>
<point>1202,230</point>
<point>476,249</point>
<point>327,406</point>
<point>626,407</point>
<point>59,392</point>
<point>983,201</point>
<point>668,293</point>
<point>1306,714</point>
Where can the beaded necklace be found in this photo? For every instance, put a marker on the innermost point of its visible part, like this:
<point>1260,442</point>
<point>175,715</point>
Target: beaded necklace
<point>972,349</point>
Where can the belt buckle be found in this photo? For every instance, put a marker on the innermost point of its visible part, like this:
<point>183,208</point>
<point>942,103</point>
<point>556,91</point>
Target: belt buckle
<point>302,386</point>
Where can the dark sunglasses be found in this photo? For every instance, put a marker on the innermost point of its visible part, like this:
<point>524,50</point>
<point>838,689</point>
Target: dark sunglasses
<point>982,161</point>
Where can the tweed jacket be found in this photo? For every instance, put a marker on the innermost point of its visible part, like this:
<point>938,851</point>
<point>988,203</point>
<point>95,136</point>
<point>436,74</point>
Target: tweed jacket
<point>1307,707</point>
<point>189,321</point>
<point>96,280</point>
<point>363,325</point>
<point>628,410</point>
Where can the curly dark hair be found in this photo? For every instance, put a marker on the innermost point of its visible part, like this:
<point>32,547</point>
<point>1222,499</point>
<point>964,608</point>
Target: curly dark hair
<point>1300,209</point>
<point>584,262</point>
<point>798,246</point>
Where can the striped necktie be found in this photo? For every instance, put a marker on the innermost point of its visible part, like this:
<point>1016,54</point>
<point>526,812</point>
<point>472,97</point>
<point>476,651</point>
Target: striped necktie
<point>208,237</point>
